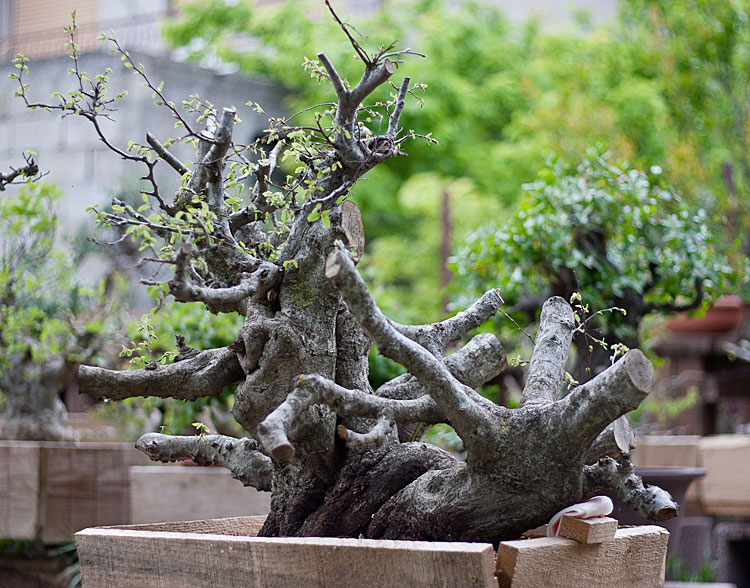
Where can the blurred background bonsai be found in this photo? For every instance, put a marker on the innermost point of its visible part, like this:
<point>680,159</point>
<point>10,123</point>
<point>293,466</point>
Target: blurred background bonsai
<point>50,322</point>
<point>618,242</point>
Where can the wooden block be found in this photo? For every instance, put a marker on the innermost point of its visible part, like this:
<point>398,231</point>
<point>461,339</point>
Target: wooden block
<point>726,487</point>
<point>634,558</point>
<point>83,485</point>
<point>148,559</point>
<point>596,530</point>
<point>180,493</point>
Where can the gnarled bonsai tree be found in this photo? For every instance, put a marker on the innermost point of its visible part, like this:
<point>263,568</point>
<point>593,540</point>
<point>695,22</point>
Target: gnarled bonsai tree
<point>340,458</point>
<point>612,236</point>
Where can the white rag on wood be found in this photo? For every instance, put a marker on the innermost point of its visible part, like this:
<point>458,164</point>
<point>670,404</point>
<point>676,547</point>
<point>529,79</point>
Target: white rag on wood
<point>597,506</point>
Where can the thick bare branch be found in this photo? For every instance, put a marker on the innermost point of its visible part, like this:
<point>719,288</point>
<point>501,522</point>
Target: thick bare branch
<point>395,116</point>
<point>314,389</point>
<point>477,362</point>
<point>220,299</point>
<point>242,457</point>
<point>592,406</point>
<point>405,401</point>
<point>617,441</point>
<point>375,437</point>
<point>651,502</point>
<point>544,377</point>
<point>206,374</point>
<point>338,85</point>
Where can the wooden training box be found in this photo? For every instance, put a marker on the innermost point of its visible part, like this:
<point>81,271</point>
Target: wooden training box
<point>226,553</point>
<point>50,490</point>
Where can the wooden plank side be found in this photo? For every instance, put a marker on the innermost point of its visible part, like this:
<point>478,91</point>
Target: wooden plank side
<point>236,526</point>
<point>19,490</point>
<point>84,485</point>
<point>635,558</point>
<point>667,451</point>
<point>727,462</point>
<point>146,559</point>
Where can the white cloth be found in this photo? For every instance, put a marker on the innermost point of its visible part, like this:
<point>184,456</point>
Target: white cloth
<point>597,506</point>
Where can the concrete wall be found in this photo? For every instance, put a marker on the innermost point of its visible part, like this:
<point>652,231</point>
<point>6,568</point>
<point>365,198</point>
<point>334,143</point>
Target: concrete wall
<point>80,164</point>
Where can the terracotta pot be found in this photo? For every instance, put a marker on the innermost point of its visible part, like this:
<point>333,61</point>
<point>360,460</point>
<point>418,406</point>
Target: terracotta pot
<point>723,316</point>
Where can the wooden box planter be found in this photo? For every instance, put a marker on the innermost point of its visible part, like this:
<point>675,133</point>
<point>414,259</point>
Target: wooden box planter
<point>50,490</point>
<point>726,488</point>
<point>226,553</point>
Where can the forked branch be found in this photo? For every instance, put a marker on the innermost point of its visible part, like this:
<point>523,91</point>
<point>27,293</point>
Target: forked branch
<point>459,403</point>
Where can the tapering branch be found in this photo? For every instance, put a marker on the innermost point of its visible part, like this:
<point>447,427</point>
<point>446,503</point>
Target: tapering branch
<point>220,299</point>
<point>338,85</point>
<point>375,437</point>
<point>349,100</point>
<point>206,374</point>
<point>544,377</point>
<point>404,400</point>
<point>437,336</point>
<point>395,116</point>
<point>242,457</point>
<point>314,389</point>
<point>651,502</point>
<point>617,441</point>
<point>477,362</point>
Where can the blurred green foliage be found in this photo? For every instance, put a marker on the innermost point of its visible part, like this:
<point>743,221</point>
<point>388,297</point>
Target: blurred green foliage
<point>605,235</point>
<point>665,85</point>
<point>45,313</point>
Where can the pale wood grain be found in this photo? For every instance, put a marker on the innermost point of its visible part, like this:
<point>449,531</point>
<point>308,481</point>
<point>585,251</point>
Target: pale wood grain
<point>49,490</point>
<point>726,487</point>
<point>634,558</point>
<point>145,559</point>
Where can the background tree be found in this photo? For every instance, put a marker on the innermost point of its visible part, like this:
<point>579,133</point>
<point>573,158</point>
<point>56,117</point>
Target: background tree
<point>50,322</point>
<point>337,455</point>
<point>645,85</point>
<point>603,236</point>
